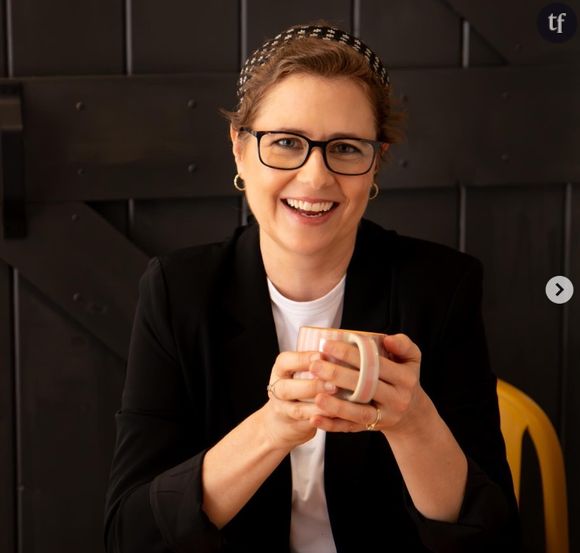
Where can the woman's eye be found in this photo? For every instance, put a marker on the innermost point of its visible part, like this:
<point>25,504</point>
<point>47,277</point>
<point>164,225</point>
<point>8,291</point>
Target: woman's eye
<point>287,143</point>
<point>344,148</point>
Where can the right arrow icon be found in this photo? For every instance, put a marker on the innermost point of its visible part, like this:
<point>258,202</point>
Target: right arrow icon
<point>559,289</point>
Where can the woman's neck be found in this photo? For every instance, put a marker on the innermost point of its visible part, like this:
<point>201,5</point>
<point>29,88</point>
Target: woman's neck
<point>304,277</point>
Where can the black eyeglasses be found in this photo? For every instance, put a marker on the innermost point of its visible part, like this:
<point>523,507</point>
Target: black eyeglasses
<point>288,150</point>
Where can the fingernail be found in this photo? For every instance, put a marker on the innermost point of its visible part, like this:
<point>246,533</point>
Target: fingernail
<point>315,357</point>
<point>330,387</point>
<point>315,366</point>
<point>324,345</point>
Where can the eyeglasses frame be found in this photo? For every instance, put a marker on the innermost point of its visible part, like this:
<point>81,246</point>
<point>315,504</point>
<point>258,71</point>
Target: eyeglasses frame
<point>376,144</point>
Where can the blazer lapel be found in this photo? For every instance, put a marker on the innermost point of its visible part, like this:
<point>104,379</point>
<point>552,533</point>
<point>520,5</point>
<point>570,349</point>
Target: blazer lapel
<point>251,349</point>
<point>368,281</point>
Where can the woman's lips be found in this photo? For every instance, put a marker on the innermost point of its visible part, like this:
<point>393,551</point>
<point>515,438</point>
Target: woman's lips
<point>316,206</point>
<point>306,210</point>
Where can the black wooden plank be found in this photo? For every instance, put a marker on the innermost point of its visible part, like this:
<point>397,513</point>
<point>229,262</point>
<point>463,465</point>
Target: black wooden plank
<point>414,33</point>
<point>128,137</point>
<point>83,265</point>
<point>71,387</point>
<point>430,214</point>
<point>488,126</point>
<point>480,51</point>
<point>7,450</point>
<point>517,233</point>
<point>265,19</point>
<point>67,37</point>
<point>184,36</point>
<point>116,213</point>
<point>4,41</point>
<point>511,29</point>
<point>161,226</point>
<point>572,394</point>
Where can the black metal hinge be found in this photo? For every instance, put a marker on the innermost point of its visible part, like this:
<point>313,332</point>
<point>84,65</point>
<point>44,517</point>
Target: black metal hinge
<point>12,184</point>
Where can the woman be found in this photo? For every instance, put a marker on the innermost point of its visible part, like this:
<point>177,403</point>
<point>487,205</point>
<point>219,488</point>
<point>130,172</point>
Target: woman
<point>219,448</point>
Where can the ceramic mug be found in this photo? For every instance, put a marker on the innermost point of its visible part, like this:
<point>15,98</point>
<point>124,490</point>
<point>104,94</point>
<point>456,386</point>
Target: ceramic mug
<point>370,347</point>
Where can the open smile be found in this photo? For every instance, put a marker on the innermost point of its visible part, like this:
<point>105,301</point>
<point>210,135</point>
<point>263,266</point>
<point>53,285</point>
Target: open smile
<point>310,209</point>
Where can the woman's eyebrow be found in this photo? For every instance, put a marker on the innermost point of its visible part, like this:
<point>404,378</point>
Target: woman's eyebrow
<point>329,137</point>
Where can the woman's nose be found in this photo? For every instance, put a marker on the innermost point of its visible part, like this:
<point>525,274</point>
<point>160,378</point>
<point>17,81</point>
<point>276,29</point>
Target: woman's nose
<point>314,171</point>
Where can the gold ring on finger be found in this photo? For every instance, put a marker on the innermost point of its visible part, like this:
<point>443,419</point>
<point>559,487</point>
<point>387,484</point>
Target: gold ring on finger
<point>372,425</point>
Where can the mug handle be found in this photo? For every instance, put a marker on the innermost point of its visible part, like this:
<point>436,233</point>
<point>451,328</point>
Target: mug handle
<point>368,378</point>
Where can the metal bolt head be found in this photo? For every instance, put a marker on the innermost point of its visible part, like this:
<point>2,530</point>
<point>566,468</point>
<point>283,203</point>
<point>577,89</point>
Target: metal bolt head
<point>403,163</point>
<point>191,168</point>
<point>191,103</point>
<point>79,106</point>
<point>505,157</point>
<point>76,296</point>
<point>74,217</point>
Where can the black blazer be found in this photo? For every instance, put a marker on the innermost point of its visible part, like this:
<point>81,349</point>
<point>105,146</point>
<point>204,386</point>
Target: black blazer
<point>202,348</point>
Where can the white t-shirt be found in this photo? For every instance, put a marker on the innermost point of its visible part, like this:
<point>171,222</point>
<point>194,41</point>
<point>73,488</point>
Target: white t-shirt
<point>310,530</point>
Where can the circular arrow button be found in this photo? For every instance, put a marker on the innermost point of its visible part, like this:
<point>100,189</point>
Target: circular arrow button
<point>559,289</point>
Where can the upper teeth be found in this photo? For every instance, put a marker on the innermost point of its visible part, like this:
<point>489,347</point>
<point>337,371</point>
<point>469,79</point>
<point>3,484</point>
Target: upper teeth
<point>307,206</point>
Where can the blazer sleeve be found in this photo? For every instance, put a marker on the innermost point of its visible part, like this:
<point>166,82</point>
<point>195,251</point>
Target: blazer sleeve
<point>463,388</point>
<point>154,499</point>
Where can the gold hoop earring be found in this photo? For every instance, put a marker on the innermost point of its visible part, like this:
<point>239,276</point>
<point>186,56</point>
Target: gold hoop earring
<point>237,179</point>
<point>374,191</point>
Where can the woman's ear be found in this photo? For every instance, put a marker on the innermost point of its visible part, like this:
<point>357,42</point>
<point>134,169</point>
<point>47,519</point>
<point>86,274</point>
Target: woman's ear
<point>380,158</point>
<point>237,146</point>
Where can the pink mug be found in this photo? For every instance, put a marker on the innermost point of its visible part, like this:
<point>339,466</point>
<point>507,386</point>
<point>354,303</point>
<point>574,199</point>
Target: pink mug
<point>370,346</point>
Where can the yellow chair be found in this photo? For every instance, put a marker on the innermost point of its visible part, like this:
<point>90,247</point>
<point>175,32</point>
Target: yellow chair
<point>519,413</point>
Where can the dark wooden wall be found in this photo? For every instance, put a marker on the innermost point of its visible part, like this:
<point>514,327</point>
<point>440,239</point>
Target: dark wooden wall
<point>126,156</point>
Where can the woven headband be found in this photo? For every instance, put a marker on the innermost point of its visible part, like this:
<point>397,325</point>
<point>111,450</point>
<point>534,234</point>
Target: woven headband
<point>261,56</point>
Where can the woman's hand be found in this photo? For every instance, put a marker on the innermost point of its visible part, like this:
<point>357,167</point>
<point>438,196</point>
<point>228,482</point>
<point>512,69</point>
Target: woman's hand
<point>432,464</point>
<point>398,401</point>
<point>290,410</point>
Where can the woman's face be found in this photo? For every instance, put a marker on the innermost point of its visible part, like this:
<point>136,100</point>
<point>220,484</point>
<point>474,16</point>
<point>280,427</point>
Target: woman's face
<point>319,108</point>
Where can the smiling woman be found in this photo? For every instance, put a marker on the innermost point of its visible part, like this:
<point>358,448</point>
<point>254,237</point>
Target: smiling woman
<point>224,445</point>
